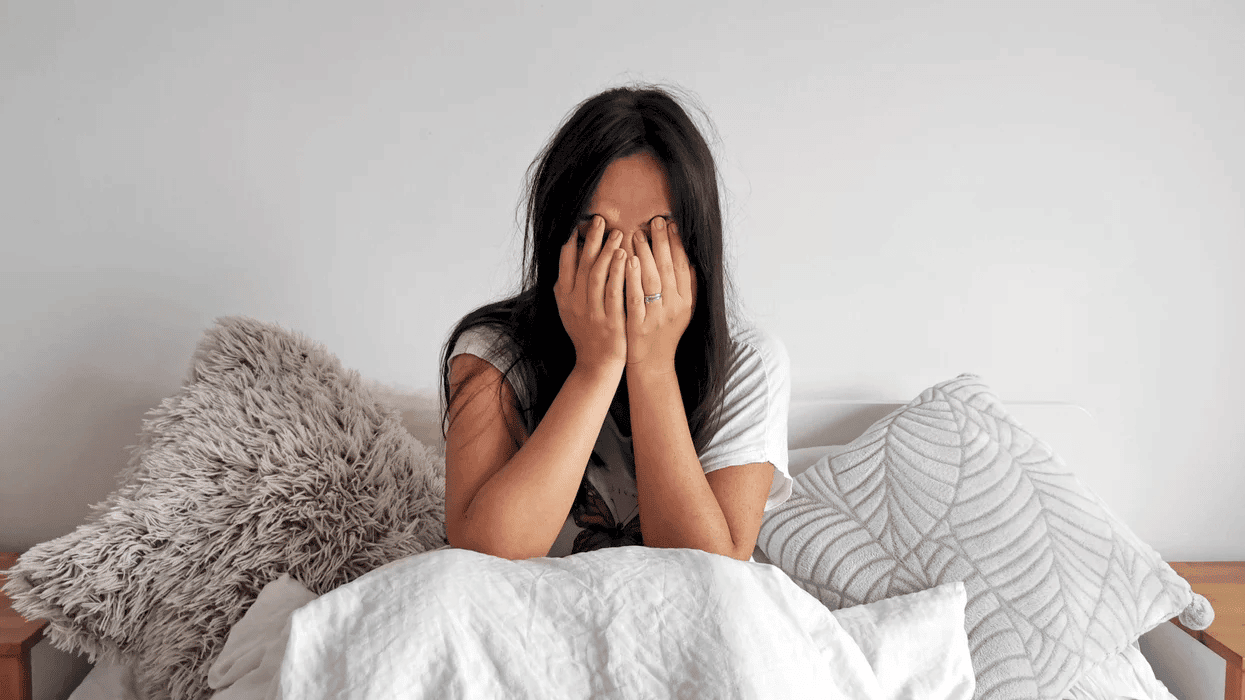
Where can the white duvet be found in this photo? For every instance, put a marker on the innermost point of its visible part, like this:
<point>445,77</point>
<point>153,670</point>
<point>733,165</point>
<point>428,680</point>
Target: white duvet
<point>630,622</point>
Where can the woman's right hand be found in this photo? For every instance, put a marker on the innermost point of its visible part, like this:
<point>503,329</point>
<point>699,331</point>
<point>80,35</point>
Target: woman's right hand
<point>589,292</point>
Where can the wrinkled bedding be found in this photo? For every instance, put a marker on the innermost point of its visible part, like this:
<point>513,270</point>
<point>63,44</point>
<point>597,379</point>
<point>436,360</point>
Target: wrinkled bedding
<point>616,623</point>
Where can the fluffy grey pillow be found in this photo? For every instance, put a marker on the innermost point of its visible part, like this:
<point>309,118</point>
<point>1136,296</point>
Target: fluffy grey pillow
<point>950,488</point>
<point>271,459</point>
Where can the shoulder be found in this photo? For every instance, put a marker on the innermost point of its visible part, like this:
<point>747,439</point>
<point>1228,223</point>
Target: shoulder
<point>752,425</point>
<point>493,344</point>
<point>487,341</point>
<point>756,351</point>
<point>487,332</point>
<point>758,371</point>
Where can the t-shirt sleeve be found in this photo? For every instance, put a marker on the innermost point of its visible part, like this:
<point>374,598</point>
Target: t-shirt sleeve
<point>496,348</point>
<point>754,411</point>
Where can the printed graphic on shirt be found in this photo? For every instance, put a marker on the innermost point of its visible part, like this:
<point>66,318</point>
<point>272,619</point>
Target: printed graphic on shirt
<point>591,513</point>
<point>607,506</point>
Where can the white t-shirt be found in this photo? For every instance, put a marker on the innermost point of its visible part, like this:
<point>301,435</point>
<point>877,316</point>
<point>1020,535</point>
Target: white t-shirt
<point>753,429</point>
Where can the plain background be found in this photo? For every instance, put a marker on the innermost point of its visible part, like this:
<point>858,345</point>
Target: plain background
<point>1045,194</point>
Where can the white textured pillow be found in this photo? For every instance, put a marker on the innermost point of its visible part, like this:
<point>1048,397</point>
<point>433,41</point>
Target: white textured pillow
<point>950,488</point>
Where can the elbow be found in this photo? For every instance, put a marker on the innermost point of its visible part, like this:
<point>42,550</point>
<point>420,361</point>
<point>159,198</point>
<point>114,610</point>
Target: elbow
<point>462,536</point>
<point>725,549</point>
<point>730,551</point>
<point>739,552</point>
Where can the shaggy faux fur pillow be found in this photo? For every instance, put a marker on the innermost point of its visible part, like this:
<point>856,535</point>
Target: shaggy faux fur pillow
<point>272,459</point>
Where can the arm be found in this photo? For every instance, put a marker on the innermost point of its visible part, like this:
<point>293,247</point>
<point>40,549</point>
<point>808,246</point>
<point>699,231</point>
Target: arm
<point>680,505</point>
<point>509,497</point>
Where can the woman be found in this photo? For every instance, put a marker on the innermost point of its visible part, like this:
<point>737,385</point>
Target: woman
<point>609,403</point>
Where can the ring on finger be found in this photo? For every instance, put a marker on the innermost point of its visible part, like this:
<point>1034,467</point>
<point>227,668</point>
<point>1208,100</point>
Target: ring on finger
<point>650,298</point>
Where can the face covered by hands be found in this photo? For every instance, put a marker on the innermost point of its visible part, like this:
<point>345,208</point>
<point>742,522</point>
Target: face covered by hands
<point>625,249</point>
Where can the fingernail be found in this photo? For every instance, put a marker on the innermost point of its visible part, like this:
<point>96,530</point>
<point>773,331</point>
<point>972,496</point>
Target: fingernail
<point>615,235</point>
<point>660,222</point>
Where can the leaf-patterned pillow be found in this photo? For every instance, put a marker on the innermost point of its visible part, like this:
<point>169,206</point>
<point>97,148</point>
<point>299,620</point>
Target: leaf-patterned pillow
<point>950,488</point>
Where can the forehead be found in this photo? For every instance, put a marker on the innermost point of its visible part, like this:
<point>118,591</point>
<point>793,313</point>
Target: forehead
<point>631,187</point>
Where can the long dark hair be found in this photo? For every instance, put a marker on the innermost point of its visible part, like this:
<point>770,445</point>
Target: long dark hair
<point>614,124</point>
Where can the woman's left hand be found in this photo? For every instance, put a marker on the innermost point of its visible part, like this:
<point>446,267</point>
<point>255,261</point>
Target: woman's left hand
<point>654,328</point>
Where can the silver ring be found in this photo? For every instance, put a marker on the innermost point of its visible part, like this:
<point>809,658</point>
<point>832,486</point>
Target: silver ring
<point>650,298</point>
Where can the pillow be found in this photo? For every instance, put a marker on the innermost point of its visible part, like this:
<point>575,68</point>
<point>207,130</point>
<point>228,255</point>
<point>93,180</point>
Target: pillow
<point>251,657</point>
<point>950,488</point>
<point>419,411</point>
<point>915,643</point>
<point>271,459</point>
<point>1126,675</point>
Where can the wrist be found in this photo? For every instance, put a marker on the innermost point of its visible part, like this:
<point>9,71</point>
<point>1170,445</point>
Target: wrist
<point>652,371</point>
<point>602,372</point>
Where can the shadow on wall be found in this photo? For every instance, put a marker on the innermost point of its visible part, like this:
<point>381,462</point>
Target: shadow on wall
<point>55,674</point>
<point>64,446</point>
<point>1188,669</point>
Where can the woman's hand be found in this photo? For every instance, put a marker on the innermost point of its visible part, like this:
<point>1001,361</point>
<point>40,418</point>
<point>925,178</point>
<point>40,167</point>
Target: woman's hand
<point>654,328</point>
<point>589,292</point>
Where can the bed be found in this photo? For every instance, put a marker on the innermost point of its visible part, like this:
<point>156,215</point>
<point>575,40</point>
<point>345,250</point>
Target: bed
<point>1009,637</point>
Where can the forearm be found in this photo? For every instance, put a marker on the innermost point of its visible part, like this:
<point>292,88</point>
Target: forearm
<point>520,510</point>
<point>677,506</point>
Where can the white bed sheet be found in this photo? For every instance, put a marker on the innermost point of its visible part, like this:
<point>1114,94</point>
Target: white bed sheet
<point>612,623</point>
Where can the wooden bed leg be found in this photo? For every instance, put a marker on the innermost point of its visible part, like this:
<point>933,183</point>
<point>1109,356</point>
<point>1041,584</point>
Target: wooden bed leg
<point>1234,684</point>
<point>14,678</point>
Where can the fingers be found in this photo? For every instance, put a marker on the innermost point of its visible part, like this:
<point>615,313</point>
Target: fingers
<point>614,285</point>
<point>650,277</point>
<point>635,294</point>
<point>661,256</point>
<point>601,267</point>
<point>592,246</point>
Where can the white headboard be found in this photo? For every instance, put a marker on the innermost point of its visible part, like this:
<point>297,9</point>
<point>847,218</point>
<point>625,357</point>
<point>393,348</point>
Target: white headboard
<point>816,421</point>
<point>1068,428</point>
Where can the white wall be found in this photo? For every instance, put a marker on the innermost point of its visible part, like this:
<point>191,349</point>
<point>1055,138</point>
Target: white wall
<point>1046,194</point>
